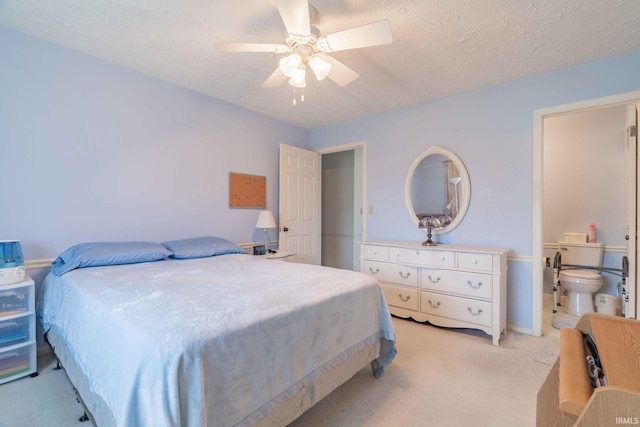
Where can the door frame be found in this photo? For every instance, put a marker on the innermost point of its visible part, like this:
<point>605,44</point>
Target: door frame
<point>347,147</point>
<point>538,132</point>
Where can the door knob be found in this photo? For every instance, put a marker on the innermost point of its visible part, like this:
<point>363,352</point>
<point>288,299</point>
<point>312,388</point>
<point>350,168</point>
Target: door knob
<point>626,237</point>
<point>285,229</point>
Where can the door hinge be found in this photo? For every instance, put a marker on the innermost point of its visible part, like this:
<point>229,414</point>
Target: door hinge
<point>633,130</point>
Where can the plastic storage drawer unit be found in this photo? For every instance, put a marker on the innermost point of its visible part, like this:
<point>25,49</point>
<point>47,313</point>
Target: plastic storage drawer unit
<point>17,362</point>
<point>17,331</point>
<point>16,299</point>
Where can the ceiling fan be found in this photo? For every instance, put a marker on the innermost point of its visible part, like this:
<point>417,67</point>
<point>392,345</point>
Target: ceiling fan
<point>305,48</point>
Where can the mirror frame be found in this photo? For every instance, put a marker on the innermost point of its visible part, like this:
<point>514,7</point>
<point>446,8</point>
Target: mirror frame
<point>464,205</point>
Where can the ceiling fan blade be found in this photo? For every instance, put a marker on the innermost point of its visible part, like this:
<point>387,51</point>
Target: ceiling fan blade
<point>374,34</point>
<point>276,79</point>
<point>295,15</point>
<point>251,47</point>
<point>340,73</point>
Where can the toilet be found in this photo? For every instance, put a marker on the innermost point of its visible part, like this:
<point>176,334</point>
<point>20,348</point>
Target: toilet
<point>580,284</point>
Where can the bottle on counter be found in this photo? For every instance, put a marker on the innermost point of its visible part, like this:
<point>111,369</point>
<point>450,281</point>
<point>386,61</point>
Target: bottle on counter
<point>592,233</point>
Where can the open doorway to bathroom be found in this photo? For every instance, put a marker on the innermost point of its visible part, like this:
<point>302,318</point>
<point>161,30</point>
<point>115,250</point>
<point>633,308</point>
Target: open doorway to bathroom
<point>342,205</point>
<point>585,172</point>
<point>584,182</point>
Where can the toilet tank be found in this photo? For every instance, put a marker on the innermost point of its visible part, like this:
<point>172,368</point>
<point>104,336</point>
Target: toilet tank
<point>587,254</point>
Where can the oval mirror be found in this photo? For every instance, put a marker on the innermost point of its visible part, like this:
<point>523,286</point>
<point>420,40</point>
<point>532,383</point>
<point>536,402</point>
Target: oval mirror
<point>438,186</point>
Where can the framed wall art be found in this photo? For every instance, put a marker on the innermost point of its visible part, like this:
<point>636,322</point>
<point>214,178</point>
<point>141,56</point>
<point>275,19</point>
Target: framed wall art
<point>247,191</point>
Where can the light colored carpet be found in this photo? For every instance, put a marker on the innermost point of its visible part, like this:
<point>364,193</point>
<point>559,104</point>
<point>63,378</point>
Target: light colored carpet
<point>47,400</point>
<point>549,349</point>
<point>564,320</point>
<point>441,377</point>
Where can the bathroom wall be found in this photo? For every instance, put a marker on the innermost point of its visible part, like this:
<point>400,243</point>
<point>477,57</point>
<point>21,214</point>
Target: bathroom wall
<point>584,182</point>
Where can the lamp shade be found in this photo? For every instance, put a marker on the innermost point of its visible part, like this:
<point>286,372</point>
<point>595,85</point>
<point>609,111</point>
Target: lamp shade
<point>266,220</point>
<point>298,79</point>
<point>320,67</point>
<point>289,64</point>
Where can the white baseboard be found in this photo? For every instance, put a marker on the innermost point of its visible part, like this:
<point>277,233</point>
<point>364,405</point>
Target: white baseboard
<point>520,329</point>
<point>38,263</point>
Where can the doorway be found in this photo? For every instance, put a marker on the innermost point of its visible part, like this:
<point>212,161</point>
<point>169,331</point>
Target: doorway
<point>544,235</point>
<point>342,205</point>
<point>584,183</point>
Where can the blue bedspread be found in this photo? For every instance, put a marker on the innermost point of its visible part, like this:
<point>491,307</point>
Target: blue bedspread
<point>210,341</point>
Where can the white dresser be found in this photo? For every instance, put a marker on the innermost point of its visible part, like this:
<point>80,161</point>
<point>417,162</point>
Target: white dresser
<point>446,285</point>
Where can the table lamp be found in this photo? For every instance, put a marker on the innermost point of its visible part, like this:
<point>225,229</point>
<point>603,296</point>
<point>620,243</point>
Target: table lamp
<point>265,220</point>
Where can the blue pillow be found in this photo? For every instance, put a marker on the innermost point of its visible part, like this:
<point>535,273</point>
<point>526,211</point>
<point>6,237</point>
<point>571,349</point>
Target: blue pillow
<point>107,253</point>
<point>200,247</point>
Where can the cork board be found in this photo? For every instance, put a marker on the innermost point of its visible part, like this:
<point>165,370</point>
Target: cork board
<point>247,191</point>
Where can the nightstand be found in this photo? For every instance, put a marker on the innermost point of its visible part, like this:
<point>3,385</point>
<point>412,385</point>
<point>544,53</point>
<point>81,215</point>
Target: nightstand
<point>17,331</point>
<point>278,255</point>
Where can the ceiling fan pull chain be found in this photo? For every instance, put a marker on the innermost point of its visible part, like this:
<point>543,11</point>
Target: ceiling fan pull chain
<point>302,96</point>
<point>294,96</point>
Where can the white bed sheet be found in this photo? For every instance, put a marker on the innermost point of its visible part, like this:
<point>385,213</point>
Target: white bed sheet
<point>213,341</point>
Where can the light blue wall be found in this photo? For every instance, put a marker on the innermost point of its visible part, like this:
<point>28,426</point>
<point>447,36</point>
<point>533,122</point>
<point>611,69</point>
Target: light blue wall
<point>91,151</point>
<point>492,132</point>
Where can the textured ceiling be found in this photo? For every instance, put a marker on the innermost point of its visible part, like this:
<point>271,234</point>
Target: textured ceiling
<point>440,47</point>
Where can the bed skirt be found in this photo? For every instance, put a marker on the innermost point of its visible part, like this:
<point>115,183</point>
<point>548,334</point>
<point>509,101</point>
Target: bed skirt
<point>283,410</point>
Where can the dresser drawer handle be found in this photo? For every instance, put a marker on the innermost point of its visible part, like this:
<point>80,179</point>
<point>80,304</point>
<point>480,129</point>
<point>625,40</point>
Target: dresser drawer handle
<point>444,258</point>
<point>404,299</point>
<point>403,276</point>
<point>434,306</point>
<point>432,280</point>
<point>374,272</point>
<point>478,286</point>
<point>474,314</point>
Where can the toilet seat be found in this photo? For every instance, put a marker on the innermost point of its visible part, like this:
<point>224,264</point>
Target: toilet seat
<point>581,276</point>
<point>580,286</point>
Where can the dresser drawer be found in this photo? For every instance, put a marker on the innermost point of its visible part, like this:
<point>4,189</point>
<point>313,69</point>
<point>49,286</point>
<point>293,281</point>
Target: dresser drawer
<point>463,283</point>
<point>392,273</point>
<point>475,261</point>
<point>16,331</point>
<point>423,257</point>
<point>398,296</point>
<point>458,308</point>
<point>380,253</point>
<point>15,300</point>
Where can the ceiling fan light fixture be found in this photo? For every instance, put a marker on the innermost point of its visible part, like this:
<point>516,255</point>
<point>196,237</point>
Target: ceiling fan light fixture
<point>305,48</point>
<point>320,67</point>
<point>299,78</point>
<point>322,44</point>
<point>289,64</point>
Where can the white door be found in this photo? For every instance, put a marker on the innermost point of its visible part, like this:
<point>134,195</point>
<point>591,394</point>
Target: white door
<point>299,222</point>
<point>632,210</point>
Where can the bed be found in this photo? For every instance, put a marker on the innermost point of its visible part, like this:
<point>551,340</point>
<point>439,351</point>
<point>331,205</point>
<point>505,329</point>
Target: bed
<point>222,340</point>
